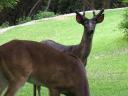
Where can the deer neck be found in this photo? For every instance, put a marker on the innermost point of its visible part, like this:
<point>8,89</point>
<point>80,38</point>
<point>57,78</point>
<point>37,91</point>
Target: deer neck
<point>85,45</point>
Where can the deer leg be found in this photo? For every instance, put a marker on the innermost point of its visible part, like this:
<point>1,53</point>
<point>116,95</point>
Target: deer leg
<point>53,92</point>
<point>82,91</point>
<point>34,89</point>
<point>3,86</point>
<point>39,89</point>
<point>14,86</point>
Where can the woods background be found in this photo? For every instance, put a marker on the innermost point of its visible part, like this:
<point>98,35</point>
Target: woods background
<point>13,10</point>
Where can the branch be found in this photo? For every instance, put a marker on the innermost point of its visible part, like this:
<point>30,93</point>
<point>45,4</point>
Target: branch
<point>49,2</point>
<point>34,7</point>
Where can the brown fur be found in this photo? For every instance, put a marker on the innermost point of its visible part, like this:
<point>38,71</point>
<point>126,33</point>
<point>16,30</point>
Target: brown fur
<point>22,61</point>
<point>83,49</point>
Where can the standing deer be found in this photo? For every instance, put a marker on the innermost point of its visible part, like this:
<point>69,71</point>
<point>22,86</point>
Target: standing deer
<point>31,61</point>
<point>83,49</point>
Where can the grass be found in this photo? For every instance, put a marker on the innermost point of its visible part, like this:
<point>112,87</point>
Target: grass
<point>107,65</point>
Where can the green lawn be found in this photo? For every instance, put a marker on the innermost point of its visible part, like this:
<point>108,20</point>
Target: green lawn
<point>108,62</point>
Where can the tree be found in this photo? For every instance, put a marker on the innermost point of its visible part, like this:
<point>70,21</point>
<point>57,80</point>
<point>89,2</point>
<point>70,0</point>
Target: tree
<point>20,9</point>
<point>7,3</point>
<point>34,7</point>
<point>49,2</point>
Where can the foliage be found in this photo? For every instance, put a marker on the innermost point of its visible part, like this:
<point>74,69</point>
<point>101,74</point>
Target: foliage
<point>43,14</point>
<point>68,6</point>
<point>23,20</point>
<point>39,15</point>
<point>125,1</point>
<point>124,24</point>
<point>7,3</point>
<point>5,24</point>
<point>31,7</point>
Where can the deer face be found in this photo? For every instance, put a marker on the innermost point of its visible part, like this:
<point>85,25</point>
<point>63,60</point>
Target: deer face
<point>89,24</point>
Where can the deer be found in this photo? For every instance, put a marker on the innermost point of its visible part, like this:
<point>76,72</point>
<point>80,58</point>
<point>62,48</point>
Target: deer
<point>31,61</point>
<point>83,49</point>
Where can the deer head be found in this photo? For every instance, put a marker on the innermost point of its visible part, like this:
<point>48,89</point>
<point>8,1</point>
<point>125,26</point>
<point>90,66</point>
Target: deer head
<point>89,24</point>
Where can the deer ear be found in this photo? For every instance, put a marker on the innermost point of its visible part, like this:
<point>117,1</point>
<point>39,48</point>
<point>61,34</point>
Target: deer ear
<point>100,18</point>
<point>79,18</point>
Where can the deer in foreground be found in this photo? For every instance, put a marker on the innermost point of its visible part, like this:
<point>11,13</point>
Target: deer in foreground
<point>22,60</point>
<point>83,49</point>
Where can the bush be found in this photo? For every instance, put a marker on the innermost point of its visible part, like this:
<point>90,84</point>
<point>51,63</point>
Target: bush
<point>124,24</point>
<point>69,6</point>
<point>40,15</point>
<point>24,20</point>
<point>5,24</point>
<point>43,14</point>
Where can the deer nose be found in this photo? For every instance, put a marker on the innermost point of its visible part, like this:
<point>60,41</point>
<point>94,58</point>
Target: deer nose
<point>91,28</point>
<point>92,31</point>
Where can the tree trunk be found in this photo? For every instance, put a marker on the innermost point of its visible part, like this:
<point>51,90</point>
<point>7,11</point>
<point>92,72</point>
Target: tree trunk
<point>49,2</point>
<point>106,4</point>
<point>30,13</point>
